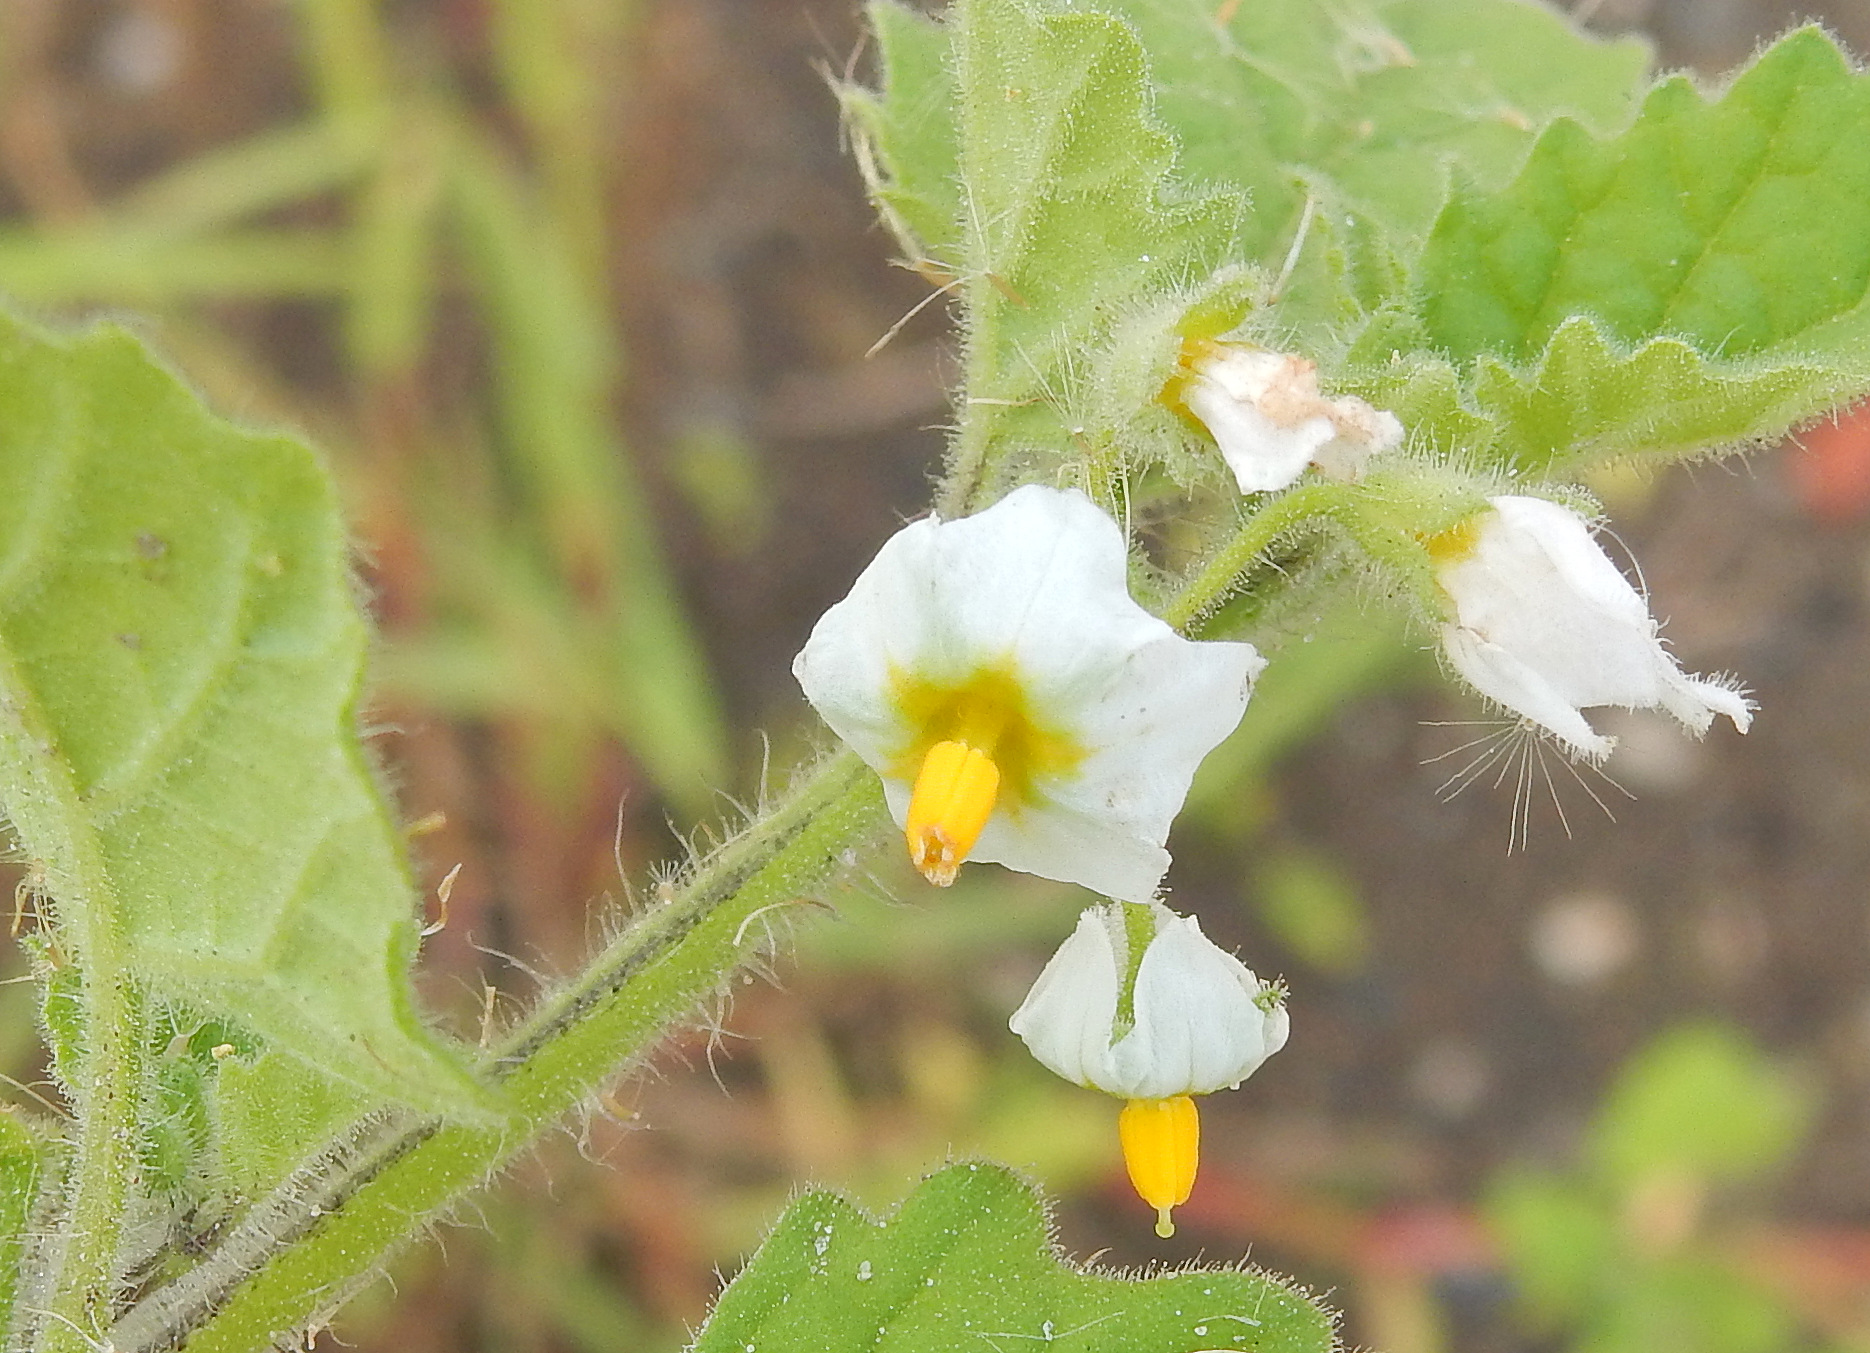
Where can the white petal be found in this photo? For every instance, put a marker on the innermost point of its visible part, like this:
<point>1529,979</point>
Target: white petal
<point>1147,721</point>
<point>1362,432</point>
<point>1036,584</point>
<point>1264,456</point>
<point>886,621</point>
<point>1086,848</point>
<point>1501,677</point>
<point>1198,1025</point>
<point>1270,420</point>
<point>1065,1019</point>
<point>1547,625</point>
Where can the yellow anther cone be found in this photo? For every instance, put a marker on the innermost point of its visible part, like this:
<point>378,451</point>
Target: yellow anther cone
<point>1161,1145</point>
<point>952,800</point>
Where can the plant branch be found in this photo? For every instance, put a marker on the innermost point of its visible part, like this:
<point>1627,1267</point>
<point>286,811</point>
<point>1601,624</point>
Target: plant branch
<point>1221,575</point>
<point>299,1254</point>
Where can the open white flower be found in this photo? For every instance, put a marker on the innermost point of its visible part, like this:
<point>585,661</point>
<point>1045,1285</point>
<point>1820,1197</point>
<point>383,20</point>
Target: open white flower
<point>1140,1004</point>
<point>1545,624</point>
<point>1019,705</point>
<point>1270,420</point>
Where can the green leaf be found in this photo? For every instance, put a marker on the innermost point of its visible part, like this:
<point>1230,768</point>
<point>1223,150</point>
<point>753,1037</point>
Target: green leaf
<point>1590,399</point>
<point>1073,216</point>
<point>1702,1101</point>
<point>180,655</point>
<point>964,1260</point>
<point>19,1190</point>
<point>270,1114</point>
<point>1559,1241</point>
<point>1740,225</point>
<point>905,133</point>
<point>1370,101</point>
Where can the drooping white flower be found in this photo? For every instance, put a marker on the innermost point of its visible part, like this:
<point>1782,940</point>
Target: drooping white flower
<point>1545,624</point>
<point>1019,705</point>
<point>1140,1004</point>
<point>1270,420</point>
<point>1188,1018</point>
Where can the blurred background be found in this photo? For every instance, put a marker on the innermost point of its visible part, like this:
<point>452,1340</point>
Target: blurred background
<point>579,295</point>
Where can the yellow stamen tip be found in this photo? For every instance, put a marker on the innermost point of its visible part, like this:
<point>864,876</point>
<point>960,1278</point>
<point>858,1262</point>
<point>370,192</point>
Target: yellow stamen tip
<point>1161,1147</point>
<point>952,800</point>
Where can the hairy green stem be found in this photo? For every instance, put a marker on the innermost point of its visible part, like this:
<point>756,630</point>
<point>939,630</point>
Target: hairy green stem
<point>328,1230</point>
<point>82,1262</point>
<point>1221,575</point>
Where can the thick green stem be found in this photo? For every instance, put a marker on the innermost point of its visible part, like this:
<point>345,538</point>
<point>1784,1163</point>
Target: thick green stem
<point>968,456</point>
<point>91,1234</point>
<point>327,1231</point>
<point>106,1085</point>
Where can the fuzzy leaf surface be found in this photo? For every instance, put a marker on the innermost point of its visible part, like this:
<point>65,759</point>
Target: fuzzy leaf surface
<point>1739,224</point>
<point>1072,214</point>
<point>1590,399</point>
<point>1371,100</point>
<point>180,655</point>
<point>1700,281</point>
<point>906,132</point>
<point>19,1188</point>
<point>965,1260</point>
<point>1363,105</point>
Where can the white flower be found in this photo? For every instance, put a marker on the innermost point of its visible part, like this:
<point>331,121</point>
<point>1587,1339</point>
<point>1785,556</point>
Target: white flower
<point>1185,1019</point>
<point>1197,1019</point>
<point>1545,624</point>
<point>1020,707</point>
<point>1267,415</point>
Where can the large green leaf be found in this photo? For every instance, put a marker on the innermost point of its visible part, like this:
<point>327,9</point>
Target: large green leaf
<point>1364,106</point>
<point>1698,282</point>
<point>180,655</point>
<point>965,1262</point>
<point>1590,399</point>
<point>1739,224</point>
<point>906,134</point>
<point>1374,98</point>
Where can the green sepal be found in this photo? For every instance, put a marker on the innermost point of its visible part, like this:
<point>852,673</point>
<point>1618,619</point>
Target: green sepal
<point>965,1259</point>
<point>1130,418</point>
<point>1393,515</point>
